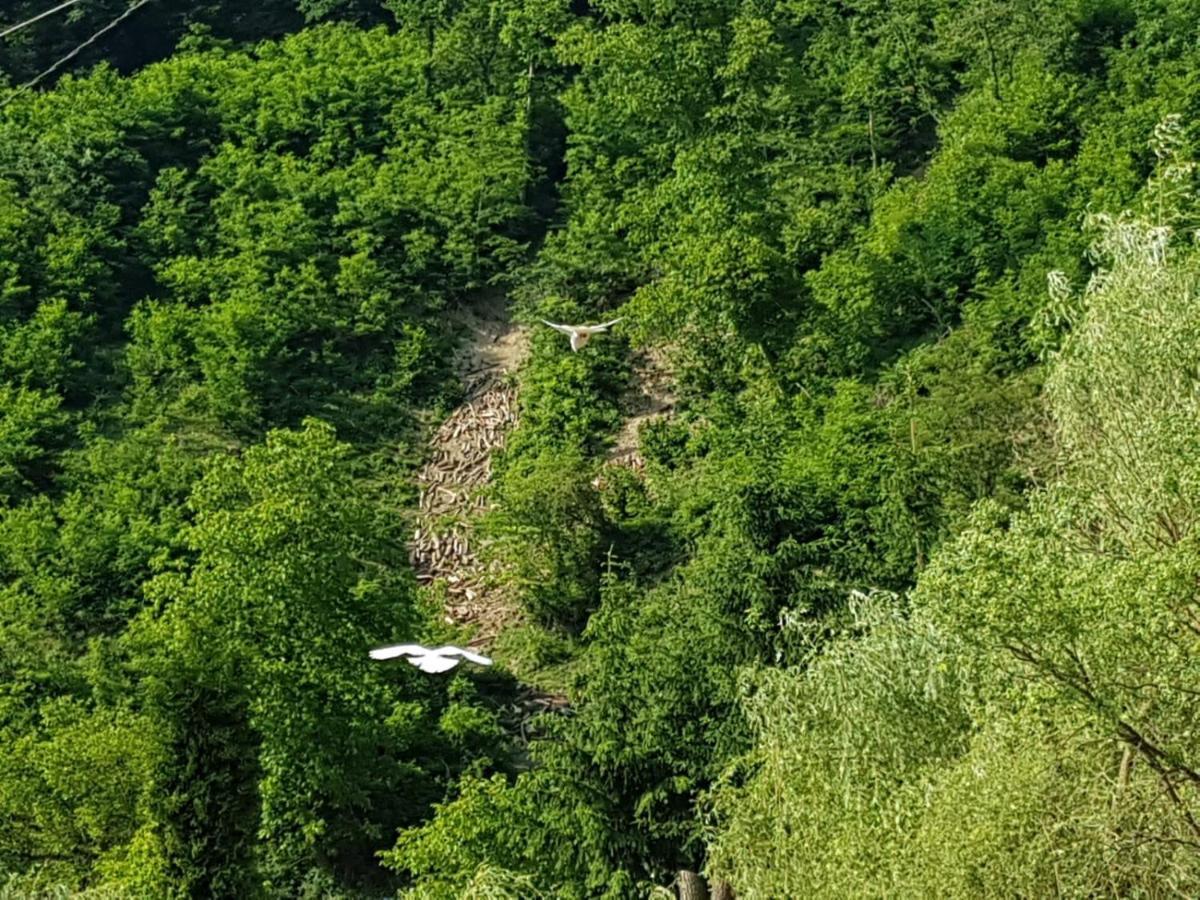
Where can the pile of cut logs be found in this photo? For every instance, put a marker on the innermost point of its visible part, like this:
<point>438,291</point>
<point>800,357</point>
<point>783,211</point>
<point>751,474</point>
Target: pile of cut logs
<point>449,482</point>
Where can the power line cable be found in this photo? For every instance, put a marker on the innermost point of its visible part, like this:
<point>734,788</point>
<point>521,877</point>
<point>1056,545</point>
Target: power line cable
<point>109,27</point>
<point>7,31</point>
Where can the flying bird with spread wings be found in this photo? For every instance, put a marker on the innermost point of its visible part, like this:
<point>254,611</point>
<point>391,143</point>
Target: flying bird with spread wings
<point>438,659</point>
<point>581,334</point>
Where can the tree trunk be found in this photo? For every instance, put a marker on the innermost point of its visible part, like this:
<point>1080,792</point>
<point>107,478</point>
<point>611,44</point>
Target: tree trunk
<point>722,891</point>
<point>691,886</point>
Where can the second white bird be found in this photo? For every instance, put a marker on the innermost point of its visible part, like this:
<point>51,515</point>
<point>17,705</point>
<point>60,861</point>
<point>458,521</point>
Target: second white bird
<point>437,659</point>
<point>581,334</point>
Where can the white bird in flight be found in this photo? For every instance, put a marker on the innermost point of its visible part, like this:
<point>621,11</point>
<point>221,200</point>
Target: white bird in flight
<point>439,659</point>
<point>581,334</point>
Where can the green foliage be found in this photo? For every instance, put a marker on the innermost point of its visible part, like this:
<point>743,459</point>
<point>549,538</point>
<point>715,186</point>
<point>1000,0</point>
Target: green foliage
<point>825,800</point>
<point>227,286</point>
<point>549,530</point>
<point>30,417</point>
<point>1058,757</point>
<point>225,242</point>
<point>568,400</point>
<point>280,603</point>
<point>467,832</point>
<point>1091,589</point>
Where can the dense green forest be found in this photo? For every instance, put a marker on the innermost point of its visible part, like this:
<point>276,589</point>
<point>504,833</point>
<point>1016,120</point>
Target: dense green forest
<point>905,601</point>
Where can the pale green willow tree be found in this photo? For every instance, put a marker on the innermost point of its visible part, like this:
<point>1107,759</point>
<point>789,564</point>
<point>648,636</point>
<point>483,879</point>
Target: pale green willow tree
<point>1028,726</point>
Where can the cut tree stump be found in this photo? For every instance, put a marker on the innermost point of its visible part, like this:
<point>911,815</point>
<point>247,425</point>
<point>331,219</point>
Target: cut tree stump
<point>691,886</point>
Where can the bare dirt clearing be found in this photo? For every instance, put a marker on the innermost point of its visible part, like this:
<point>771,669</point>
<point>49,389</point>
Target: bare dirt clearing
<point>460,465</point>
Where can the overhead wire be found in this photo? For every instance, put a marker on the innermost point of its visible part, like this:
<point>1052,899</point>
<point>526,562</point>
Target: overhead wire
<point>13,28</point>
<point>53,68</point>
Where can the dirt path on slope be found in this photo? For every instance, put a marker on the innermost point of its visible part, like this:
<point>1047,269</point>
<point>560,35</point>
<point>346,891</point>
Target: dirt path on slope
<point>460,465</point>
<point>650,396</point>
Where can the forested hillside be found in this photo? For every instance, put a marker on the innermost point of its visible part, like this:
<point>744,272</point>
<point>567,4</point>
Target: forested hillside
<point>896,597</point>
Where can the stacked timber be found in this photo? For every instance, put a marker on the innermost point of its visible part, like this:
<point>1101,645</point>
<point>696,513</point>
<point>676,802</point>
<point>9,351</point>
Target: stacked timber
<point>451,484</point>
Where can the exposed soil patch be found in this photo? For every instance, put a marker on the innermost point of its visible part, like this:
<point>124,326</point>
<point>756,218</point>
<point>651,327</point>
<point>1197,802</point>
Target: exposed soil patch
<point>460,465</point>
<point>650,396</point>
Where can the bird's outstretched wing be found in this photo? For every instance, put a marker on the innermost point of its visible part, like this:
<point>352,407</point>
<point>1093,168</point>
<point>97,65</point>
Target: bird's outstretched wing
<point>434,662</point>
<point>474,657</point>
<point>565,329</point>
<point>398,650</point>
<point>478,658</point>
<point>596,329</point>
